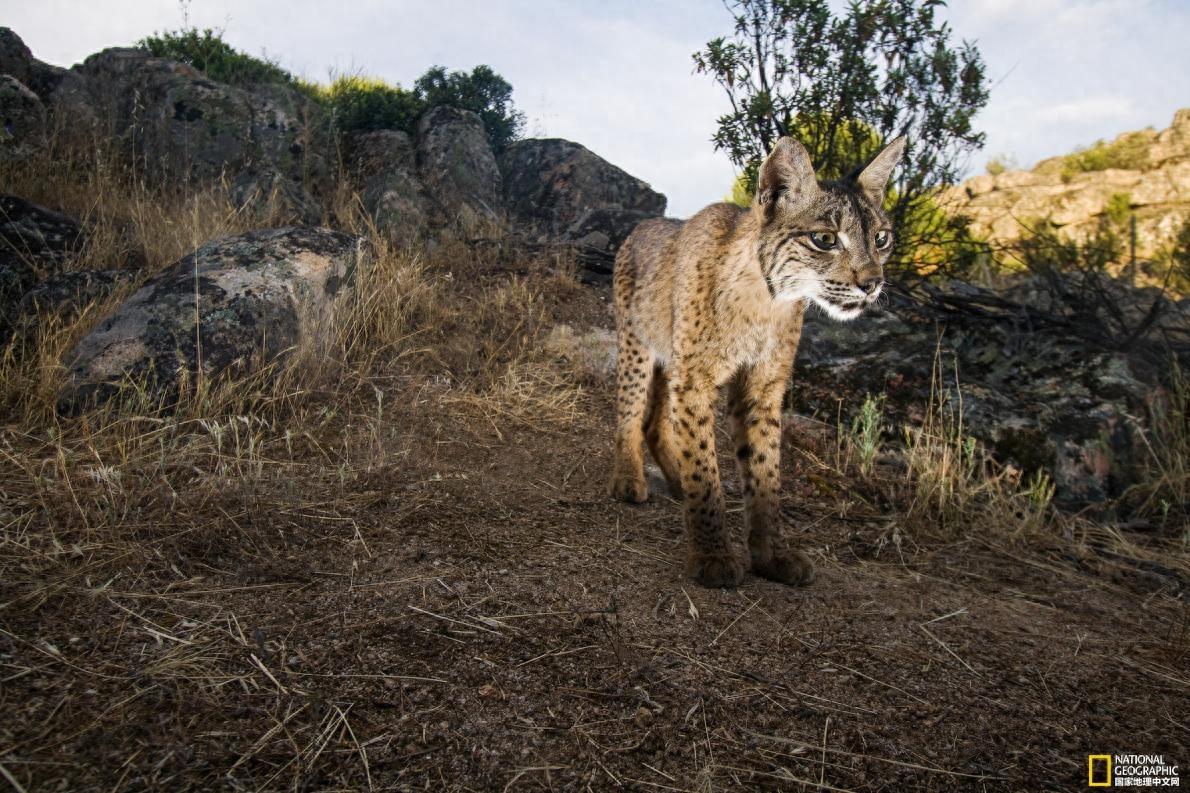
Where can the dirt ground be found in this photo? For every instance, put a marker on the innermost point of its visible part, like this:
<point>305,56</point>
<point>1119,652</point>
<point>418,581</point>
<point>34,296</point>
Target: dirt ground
<point>475,614</point>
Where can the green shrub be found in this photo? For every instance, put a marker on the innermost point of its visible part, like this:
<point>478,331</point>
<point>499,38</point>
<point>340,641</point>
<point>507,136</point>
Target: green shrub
<point>363,104</point>
<point>741,195</point>
<point>1001,163</point>
<point>1130,152</point>
<point>1118,209</point>
<point>206,51</point>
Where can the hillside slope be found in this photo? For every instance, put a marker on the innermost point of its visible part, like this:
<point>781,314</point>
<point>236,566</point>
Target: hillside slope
<point>1145,173</point>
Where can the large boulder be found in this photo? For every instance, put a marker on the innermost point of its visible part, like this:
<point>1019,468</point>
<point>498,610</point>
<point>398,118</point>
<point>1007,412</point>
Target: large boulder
<point>22,117</point>
<point>1040,401</point>
<point>565,192</point>
<point>181,125</point>
<point>234,305</point>
<point>459,171</point>
<point>383,167</point>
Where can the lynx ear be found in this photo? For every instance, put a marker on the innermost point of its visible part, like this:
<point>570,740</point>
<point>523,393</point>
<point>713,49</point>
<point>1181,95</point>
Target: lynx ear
<point>873,179</point>
<point>786,173</point>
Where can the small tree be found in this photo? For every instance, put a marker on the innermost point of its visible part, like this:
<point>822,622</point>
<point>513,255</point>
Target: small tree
<point>482,92</point>
<point>844,85</point>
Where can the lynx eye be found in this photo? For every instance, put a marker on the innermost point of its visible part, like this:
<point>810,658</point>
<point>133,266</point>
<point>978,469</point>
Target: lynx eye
<point>883,240</point>
<point>824,240</point>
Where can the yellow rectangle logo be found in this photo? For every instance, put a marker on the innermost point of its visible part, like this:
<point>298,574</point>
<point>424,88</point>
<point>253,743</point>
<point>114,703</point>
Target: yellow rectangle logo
<point>1099,770</point>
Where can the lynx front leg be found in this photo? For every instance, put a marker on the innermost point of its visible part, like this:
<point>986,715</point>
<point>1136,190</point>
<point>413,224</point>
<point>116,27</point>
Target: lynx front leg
<point>634,370</point>
<point>754,403</point>
<point>710,560</point>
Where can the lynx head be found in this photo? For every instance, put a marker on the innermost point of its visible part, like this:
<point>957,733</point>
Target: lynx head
<point>824,241</point>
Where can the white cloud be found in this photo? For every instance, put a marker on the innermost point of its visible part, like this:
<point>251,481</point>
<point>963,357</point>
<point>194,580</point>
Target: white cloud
<point>1091,109</point>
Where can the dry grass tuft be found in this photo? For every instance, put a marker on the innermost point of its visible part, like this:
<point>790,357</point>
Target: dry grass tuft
<point>942,479</point>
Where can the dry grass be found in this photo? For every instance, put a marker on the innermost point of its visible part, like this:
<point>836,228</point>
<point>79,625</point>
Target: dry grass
<point>955,482</point>
<point>943,484</point>
<point>90,501</point>
<point>941,478</point>
<point>1165,493</point>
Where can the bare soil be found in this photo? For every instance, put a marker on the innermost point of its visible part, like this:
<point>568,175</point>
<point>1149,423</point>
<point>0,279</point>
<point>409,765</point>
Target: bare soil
<point>476,614</point>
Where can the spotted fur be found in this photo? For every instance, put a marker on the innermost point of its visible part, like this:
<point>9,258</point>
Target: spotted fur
<point>718,300</point>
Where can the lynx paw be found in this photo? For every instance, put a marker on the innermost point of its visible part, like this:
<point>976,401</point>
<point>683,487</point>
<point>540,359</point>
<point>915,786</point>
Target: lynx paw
<point>634,491</point>
<point>716,570</point>
<point>787,567</point>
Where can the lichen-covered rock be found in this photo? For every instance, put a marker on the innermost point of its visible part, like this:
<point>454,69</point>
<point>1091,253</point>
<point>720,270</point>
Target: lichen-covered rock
<point>34,242</point>
<point>604,229</point>
<point>383,167</point>
<point>22,117</point>
<point>565,191</point>
<point>1040,401</point>
<point>457,167</point>
<point>182,125</point>
<point>69,292</point>
<point>40,237</point>
<point>260,296</point>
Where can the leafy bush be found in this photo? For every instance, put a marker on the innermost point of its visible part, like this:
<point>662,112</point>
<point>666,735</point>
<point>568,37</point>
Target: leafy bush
<point>1130,152</point>
<point>363,104</point>
<point>844,79</point>
<point>206,51</point>
<point>1118,209</point>
<point>1001,163</point>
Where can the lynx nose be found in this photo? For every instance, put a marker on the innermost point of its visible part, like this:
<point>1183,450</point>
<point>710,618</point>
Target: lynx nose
<point>870,285</point>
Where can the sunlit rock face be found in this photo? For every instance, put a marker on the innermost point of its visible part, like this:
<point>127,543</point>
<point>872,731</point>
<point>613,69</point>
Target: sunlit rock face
<point>1156,191</point>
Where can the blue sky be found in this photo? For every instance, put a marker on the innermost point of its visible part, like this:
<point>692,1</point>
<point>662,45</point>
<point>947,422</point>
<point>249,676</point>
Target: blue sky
<point>616,76</point>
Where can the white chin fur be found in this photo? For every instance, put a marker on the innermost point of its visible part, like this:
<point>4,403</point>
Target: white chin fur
<point>835,312</point>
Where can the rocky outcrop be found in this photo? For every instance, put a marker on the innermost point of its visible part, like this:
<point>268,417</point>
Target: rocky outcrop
<point>234,305</point>
<point>458,169</point>
<point>177,124</point>
<point>1042,401</point>
<point>22,117</point>
<point>383,166</point>
<point>562,190</point>
<point>271,145</point>
<point>35,242</point>
<point>17,61</point>
<point>1155,189</point>
<point>184,126</point>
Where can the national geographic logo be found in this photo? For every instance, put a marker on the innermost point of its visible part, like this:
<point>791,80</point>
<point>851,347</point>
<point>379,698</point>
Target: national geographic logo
<point>1131,770</point>
<point>1099,770</point>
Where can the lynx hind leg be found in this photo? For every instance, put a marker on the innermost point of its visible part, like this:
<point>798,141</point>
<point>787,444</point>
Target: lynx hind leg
<point>634,373</point>
<point>659,432</point>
